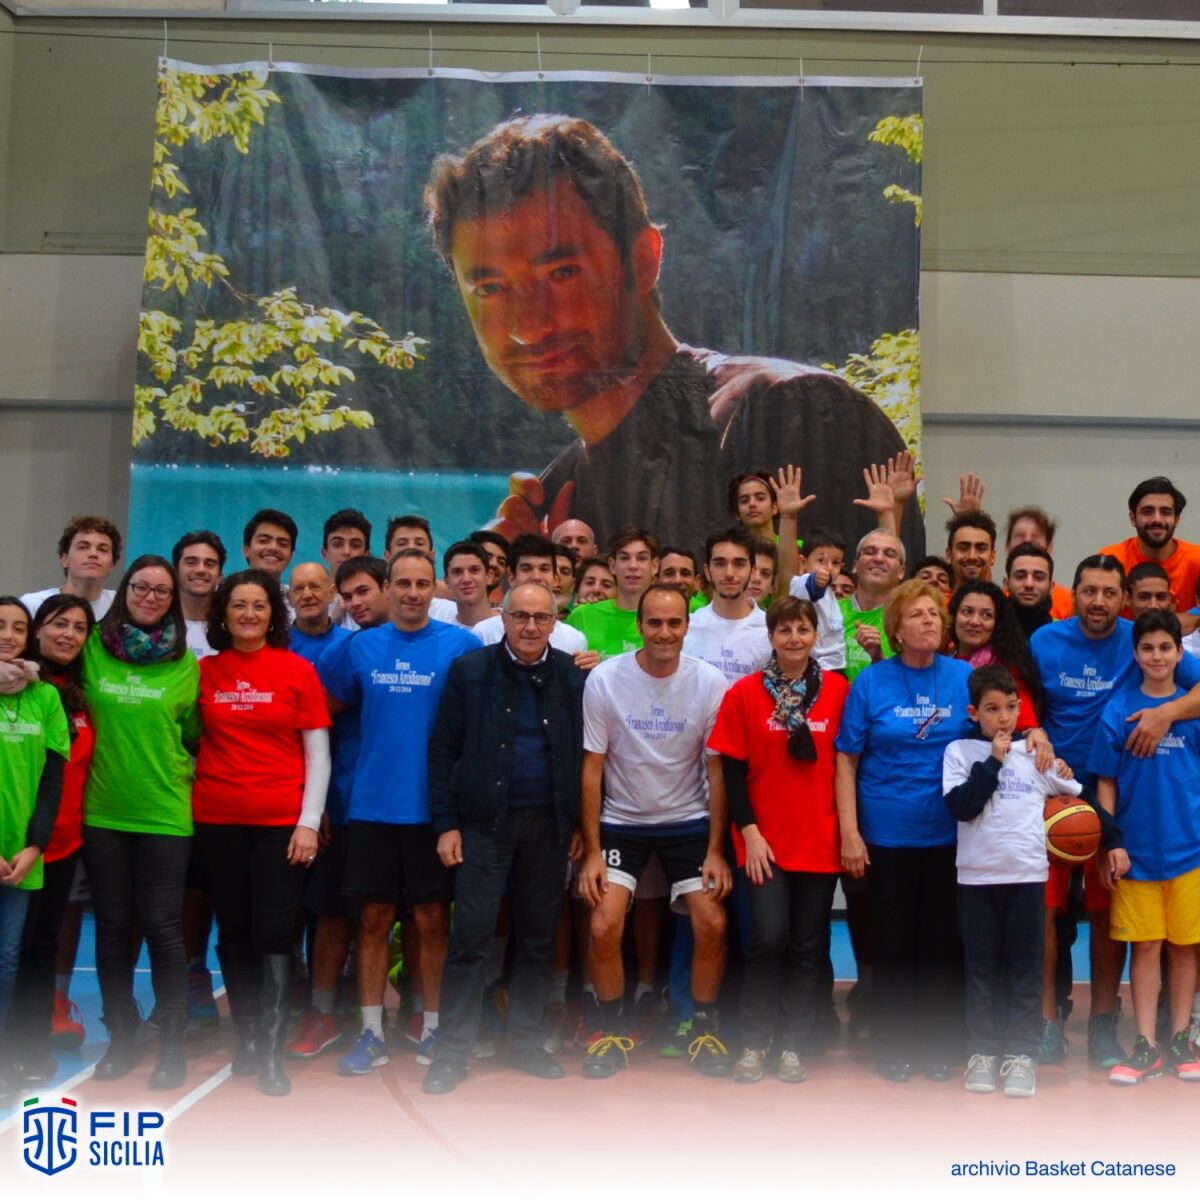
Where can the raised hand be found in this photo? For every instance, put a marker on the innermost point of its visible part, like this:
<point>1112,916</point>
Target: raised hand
<point>880,496</point>
<point>901,476</point>
<point>970,496</point>
<point>789,497</point>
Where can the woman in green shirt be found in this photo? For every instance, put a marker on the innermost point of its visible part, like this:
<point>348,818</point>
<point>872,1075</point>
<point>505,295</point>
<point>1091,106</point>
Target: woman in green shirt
<point>140,683</point>
<point>34,742</point>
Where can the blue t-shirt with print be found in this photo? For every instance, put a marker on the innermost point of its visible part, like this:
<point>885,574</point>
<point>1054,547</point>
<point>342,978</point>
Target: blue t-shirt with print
<point>1158,798</point>
<point>1080,675</point>
<point>899,721</point>
<point>396,678</point>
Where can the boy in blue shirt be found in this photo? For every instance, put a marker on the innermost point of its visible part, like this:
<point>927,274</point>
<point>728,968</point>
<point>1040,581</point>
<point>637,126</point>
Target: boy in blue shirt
<point>1156,876</point>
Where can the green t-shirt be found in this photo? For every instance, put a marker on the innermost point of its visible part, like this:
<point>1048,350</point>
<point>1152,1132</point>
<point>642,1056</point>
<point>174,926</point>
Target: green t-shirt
<point>698,601</point>
<point>141,776</point>
<point>609,629</point>
<point>857,659</point>
<point>32,724</point>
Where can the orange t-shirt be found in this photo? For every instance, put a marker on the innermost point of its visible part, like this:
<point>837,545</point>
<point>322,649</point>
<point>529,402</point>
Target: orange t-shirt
<point>1182,568</point>
<point>1062,602</point>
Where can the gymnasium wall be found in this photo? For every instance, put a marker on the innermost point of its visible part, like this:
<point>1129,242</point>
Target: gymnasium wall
<point>1061,247</point>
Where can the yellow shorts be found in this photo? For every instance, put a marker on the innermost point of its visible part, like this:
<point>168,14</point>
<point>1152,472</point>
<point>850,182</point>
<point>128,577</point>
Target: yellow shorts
<point>1154,910</point>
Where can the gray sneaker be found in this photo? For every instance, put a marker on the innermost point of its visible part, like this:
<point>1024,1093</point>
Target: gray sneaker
<point>1019,1074</point>
<point>981,1073</point>
<point>749,1067</point>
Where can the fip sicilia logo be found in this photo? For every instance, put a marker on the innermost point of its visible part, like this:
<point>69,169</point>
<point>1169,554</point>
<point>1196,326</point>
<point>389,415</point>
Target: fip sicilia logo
<point>114,1139</point>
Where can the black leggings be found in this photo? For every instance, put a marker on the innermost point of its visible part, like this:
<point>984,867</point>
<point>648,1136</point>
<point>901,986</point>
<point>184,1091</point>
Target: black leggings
<point>29,1018</point>
<point>255,894</point>
<point>142,873</point>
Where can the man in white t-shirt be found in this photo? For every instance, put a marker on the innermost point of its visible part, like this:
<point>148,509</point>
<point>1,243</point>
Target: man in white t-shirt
<point>87,552</point>
<point>465,574</point>
<point>651,787</point>
<point>531,560</point>
<point>731,632</point>
<point>199,559</point>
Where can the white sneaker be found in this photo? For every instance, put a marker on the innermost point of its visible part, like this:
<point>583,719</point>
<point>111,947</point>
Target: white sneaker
<point>1020,1075</point>
<point>981,1073</point>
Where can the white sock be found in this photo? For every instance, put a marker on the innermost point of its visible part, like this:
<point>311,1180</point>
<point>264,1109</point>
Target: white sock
<point>62,983</point>
<point>589,989</point>
<point>558,989</point>
<point>324,1000</point>
<point>372,1019</point>
<point>431,1023</point>
<point>643,989</point>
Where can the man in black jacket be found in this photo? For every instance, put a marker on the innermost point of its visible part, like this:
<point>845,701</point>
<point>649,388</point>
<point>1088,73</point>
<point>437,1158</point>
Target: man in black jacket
<point>505,763</point>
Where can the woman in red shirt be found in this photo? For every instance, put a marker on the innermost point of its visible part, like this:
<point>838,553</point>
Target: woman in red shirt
<point>775,733</point>
<point>60,628</point>
<point>257,801</point>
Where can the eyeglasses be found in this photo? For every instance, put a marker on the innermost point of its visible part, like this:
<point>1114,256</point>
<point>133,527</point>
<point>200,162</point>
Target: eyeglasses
<point>159,591</point>
<point>541,620</point>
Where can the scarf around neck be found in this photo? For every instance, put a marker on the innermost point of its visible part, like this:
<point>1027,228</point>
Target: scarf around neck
<point>794,699</point>
<point>132,644</point>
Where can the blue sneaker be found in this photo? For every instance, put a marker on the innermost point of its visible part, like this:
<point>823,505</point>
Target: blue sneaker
<point>425,1049</point>
<point>368,1052</point>
<point>201,1007</point>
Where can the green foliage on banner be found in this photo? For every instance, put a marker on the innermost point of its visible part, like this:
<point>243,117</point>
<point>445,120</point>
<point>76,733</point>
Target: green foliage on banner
<point>259,377</point>
<point>908,133</point>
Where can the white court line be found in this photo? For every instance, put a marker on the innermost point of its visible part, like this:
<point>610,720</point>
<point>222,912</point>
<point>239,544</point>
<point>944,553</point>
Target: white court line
<point>79,1077</point>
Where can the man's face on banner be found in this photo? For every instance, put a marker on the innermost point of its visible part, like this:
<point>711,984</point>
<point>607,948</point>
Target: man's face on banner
<point>557,316</point>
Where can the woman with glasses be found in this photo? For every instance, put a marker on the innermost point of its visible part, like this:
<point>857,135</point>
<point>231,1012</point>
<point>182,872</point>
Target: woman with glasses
<point>140,685</point>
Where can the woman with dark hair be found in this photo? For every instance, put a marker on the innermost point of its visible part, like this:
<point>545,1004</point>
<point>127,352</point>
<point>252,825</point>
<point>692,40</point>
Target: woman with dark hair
<point>984,631</point>
<point>34,742</point>
<point>775,733</point>
<point>261,778</point>
<point>140,683</point>
<point>60,630</point>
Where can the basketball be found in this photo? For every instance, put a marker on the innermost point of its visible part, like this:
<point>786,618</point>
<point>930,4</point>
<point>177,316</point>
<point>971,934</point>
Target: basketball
<point>1072,830</point>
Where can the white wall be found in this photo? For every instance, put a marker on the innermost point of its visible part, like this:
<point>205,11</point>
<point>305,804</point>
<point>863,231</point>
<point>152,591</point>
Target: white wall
<point>1084,348</point>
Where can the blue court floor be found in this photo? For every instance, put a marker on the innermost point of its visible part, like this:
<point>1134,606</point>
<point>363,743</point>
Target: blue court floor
<point>85,992</point>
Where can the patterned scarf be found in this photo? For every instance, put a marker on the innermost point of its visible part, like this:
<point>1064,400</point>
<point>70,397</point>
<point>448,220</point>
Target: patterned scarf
<point>793,700</point>
<point>130,644</point>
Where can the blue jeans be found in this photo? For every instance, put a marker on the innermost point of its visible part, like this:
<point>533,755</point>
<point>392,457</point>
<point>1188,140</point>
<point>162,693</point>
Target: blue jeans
<point>14,904</point>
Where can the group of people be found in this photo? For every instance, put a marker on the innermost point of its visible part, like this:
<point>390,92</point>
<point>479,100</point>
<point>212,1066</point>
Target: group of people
<point>488,774</point>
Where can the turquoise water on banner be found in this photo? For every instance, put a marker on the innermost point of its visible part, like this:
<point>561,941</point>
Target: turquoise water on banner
<point>167,500</point>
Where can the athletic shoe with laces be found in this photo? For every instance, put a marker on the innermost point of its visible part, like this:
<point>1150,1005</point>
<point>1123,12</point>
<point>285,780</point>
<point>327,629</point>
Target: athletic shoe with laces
<point>607,1055</point>
<point>1053,1046</point>
<point>1180,1055</point>
<point>641,1026</point>
<point>589,1029</point>
<point>1144,1063</point>
<point>315,1034</point>
<point>790,1068</point>
<point>66,1023</point>
<point>707,1053</point>
<point>425,1049</point>
<point>556,1027</point>
<point>1019,1074</point>
<point>1103,1048</point>
<point>201,1007</point>
<point>1194,1030</point>
<point>981,1073</point>
<point>749,1066</point>
<point>367,1053</point>
<point>676,1046</point>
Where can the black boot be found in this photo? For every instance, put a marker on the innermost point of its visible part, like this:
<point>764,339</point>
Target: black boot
<point>121,1056</point>
<point>274,1007</point>
<point>171,1069</point>
<point>241,986</point>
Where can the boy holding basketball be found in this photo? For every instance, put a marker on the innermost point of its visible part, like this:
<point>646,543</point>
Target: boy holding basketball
<point>1156,876</point>
<point>994,788</point>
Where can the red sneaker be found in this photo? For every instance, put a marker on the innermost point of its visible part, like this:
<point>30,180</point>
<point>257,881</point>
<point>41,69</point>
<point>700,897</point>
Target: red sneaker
<point>315,1034</point>
<point>66,1024</point>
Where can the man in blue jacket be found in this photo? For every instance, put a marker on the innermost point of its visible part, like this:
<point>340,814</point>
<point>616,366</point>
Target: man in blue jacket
<point>505,763</point>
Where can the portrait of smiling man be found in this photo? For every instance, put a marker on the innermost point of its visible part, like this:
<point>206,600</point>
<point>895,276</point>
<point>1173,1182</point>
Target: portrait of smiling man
<point>548,234</point>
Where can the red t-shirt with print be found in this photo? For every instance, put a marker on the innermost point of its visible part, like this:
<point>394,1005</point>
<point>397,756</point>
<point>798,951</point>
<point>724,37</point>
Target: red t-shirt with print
<point>254,708</point>
<point>793,801</point>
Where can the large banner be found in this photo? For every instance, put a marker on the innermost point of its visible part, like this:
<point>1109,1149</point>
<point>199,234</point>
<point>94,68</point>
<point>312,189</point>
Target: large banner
<point>520,298</point>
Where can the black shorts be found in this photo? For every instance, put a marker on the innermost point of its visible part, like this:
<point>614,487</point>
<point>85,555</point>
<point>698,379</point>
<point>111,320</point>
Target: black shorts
<point>626,852</point>
<point>323,893</point>
<point>394,864</point>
